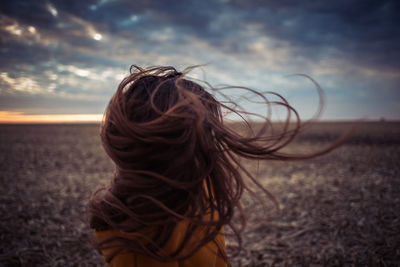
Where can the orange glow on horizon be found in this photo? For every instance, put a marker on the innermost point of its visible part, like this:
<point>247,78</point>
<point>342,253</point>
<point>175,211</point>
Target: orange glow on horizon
<point>19,117</point>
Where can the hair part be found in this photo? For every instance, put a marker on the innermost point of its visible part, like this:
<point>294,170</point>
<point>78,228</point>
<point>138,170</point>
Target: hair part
<point>177,160</point>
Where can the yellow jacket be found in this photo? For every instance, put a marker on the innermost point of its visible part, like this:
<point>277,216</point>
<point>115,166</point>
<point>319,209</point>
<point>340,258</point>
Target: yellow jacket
<point>207,256</point>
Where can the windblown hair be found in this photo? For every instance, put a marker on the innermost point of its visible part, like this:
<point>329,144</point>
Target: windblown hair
<point>177,160</point>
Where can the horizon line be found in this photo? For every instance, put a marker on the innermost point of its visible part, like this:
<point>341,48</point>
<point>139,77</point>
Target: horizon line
<point>14,117</point>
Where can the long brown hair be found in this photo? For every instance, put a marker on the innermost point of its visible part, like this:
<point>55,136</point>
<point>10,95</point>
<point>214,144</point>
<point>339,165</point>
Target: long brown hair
<point>177,160</point>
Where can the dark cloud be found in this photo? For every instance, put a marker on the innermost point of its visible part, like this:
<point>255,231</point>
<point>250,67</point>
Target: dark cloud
<point>360,29</point>
<point>34,12</point>
<point>363,30</point>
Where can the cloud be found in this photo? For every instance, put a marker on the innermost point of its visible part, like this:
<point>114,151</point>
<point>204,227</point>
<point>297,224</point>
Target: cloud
<point>80,49</point>
<point>365,31</point>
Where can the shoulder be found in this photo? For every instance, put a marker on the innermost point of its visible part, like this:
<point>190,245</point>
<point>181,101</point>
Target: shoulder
<point>207,256</point>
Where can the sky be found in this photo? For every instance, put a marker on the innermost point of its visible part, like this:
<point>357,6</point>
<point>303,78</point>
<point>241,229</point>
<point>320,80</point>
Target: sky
<point>63,60</point>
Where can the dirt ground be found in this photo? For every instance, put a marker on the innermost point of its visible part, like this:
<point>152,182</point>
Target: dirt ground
<point>339,209</point>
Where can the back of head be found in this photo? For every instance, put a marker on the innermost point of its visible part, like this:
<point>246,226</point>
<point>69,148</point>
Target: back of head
<point>158,121</point>
<point>159,130</point>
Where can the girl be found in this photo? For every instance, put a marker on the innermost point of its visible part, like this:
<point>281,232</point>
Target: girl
<point>178,179</point>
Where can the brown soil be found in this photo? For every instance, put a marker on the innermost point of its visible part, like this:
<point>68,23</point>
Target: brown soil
<point>340,209</point>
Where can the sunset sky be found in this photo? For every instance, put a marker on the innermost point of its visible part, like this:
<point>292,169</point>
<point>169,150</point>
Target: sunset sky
<point>62,60</point>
